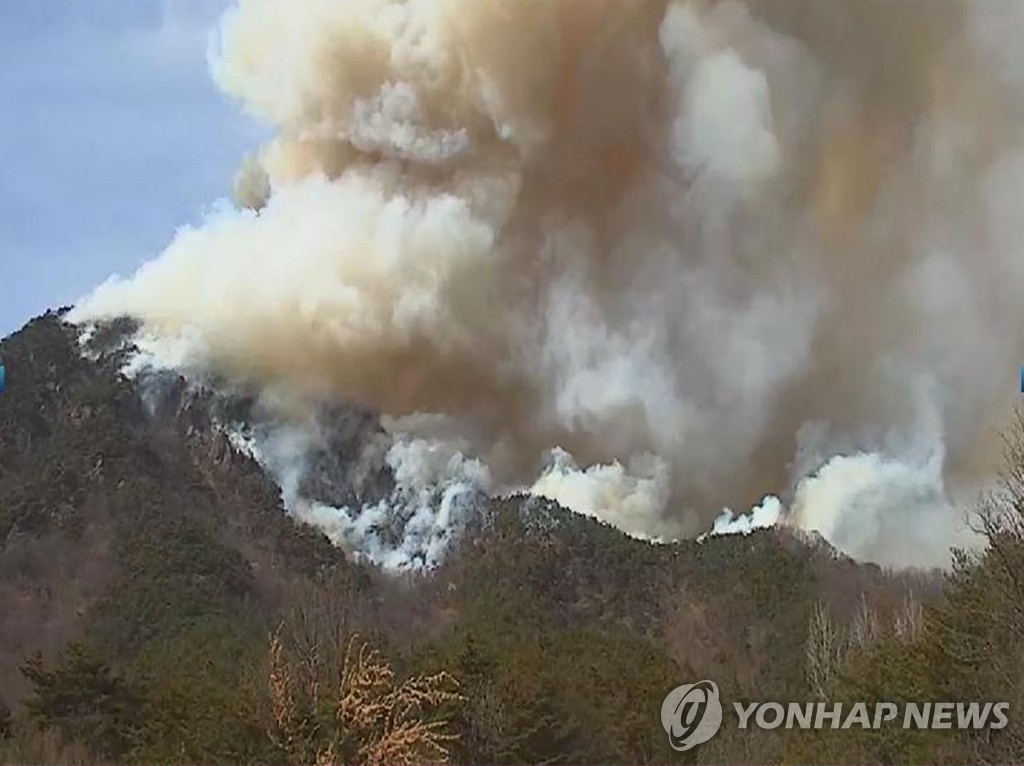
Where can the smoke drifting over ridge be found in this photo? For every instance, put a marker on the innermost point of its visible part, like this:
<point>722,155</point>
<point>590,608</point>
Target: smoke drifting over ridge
<point>668,257</point>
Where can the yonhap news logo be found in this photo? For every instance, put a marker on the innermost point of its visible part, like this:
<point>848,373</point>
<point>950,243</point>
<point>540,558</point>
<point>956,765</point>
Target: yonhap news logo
<point>692,714</point>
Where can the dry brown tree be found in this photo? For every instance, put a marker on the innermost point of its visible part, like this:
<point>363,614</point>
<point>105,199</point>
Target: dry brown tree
<point>365,717</point>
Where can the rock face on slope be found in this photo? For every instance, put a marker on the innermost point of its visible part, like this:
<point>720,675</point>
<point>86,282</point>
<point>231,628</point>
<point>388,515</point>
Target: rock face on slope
<point>132,522</point>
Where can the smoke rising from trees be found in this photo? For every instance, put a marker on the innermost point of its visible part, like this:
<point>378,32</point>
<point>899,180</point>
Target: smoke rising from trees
<point>651,259</point>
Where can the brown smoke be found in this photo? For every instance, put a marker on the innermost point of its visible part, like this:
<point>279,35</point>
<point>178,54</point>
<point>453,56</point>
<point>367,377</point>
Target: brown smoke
<point>704,247</point>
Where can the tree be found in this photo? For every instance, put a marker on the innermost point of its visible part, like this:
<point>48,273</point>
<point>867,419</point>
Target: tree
<point>84,700</point>
<point>366,717</point>
<point>826,643</point>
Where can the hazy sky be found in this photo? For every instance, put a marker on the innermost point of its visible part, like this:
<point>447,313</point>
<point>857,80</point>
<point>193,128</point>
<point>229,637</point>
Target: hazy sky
<point>112,135</point>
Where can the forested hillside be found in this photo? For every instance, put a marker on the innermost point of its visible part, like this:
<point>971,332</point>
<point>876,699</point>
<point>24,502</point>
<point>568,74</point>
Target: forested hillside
<point>157,605</point>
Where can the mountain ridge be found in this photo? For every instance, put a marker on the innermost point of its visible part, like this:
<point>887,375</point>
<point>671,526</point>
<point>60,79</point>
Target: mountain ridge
<point>131,522</point>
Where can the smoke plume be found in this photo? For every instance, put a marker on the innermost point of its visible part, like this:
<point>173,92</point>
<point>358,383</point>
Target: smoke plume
<point>650,259</point>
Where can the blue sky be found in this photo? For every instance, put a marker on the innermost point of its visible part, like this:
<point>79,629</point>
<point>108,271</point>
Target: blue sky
<point>112,135</point>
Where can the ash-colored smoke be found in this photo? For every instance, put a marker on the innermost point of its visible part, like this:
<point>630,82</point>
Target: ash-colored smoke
<point>670,257</point>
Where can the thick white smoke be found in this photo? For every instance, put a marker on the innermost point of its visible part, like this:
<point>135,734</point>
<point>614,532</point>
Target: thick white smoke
<point>630,247</point>
<point>632,499</point>
<point>436,486</point>
<point>763,516</point>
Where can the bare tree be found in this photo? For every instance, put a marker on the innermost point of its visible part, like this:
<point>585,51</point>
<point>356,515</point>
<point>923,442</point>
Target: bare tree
<point>317,627</point>
<point>826,644</point>
<point>909,621</point>
<point>866,629</point>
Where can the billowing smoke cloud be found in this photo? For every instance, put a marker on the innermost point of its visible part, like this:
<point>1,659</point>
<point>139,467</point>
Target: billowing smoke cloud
<point>637,248</point>
<point>632,499</point>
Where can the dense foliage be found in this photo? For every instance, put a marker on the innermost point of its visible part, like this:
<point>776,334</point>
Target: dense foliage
<point>158,606</point>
